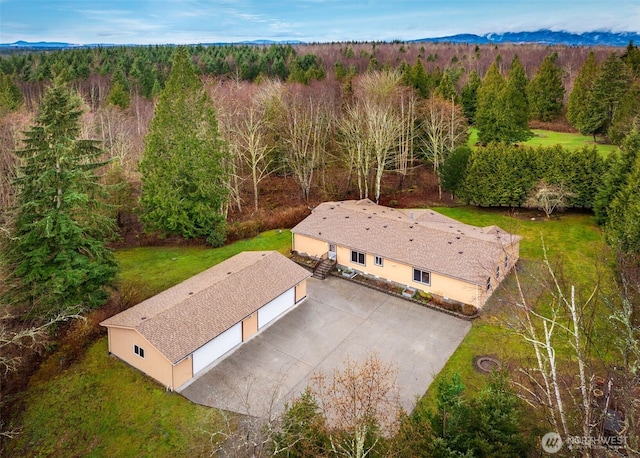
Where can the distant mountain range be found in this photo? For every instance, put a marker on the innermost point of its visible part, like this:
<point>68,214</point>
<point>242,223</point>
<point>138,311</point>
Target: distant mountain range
<point>544,37</point>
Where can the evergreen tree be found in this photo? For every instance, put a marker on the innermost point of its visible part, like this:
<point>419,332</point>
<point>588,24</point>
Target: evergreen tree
<point>488,113</point>
<point>502,114</point>
<point>619,167</point>
<point>10,95</point>
<point>579,99</point>
<point>452,172</point>
<point>55,258</point>
<point>470,97</point>
<point>515,104</point>
<point>447,89</point>
<point>609,90</point>
<point>184,174</point>
<point>119,93</point>
<point>546,91</point>
<point>623,227</point>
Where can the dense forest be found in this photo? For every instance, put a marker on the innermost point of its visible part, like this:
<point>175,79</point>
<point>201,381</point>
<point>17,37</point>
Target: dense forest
<point>539,86</point>
<point>217,143</point>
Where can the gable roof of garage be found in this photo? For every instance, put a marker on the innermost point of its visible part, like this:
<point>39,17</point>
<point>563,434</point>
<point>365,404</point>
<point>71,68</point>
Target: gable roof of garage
<point>420,238</point>
<point>186,316</point>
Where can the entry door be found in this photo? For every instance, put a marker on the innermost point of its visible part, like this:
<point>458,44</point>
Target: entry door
<point>249,326</point>
<point>332,251</point>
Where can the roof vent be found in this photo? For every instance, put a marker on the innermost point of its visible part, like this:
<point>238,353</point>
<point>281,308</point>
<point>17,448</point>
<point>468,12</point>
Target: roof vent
<point>449,242</point>
<point>460,252</point>
<point>324,217</point>
<point>331,208</point>
<point>143,318</point>
<point>190,293</point>
<point>264,254</point>
<point>228,273</point>
<point>411,240</point>
<point>319,233</point>
<point>369,217</point>
<point>367,228</point>
<point>458,237</point>
<point>411,227</point>
<point>385,226</point>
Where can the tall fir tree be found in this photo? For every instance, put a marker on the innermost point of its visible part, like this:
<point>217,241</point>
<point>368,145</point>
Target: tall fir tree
<point>10,95</point>
<point>489,106</point>
<point>609,89</point>
<point>469,97</point>
<point>56,258</point>
<point>546,91</point>
<point>184,172</point>
<point>515,104</point>
<point>502,113</point>
<point>579,99</point>
<point>447,89</point>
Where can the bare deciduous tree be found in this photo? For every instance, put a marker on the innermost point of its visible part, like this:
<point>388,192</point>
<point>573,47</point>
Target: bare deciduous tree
<point>566,397</point>
<point>548,197</point>
<point>444,128</point>
<point>305,129</point>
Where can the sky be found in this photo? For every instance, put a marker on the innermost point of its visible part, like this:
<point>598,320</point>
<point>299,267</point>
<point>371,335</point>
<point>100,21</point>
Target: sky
<point>208,21</point>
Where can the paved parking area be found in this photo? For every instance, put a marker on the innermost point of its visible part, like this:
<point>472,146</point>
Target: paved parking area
<point>338,319</point>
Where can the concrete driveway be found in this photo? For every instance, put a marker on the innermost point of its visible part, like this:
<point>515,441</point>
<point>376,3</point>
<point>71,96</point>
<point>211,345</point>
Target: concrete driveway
<point>338,319</point>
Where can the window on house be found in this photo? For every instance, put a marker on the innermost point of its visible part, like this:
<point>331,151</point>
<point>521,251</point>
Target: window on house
<point>378,261</point>
<point>488,283</point>
<point>357,257</point>
<point>497,272</point>
<point>138,351</point>
<point>422,276</point>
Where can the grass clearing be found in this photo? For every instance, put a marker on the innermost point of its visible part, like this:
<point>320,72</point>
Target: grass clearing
<point>573,241</point>
<point>102,407</point>
<point>550,138</point>
<point>153,269</point>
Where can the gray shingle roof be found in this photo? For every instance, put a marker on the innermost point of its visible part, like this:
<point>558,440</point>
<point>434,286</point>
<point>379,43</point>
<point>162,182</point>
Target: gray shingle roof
<point>181,319</point>
<point>421,238</point>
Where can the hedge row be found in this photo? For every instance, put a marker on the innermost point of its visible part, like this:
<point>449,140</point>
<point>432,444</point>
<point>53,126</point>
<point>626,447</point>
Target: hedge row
<point>504,175</point>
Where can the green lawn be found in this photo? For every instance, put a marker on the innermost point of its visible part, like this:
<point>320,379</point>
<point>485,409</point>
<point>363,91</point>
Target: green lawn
<point>102,407</point>
<point>574,243</point>
<point>551,138</point>
<point>149,270</point>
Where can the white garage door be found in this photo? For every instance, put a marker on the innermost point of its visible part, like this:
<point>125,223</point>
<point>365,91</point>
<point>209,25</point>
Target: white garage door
<point>217,347</point>
<point>276,307</point>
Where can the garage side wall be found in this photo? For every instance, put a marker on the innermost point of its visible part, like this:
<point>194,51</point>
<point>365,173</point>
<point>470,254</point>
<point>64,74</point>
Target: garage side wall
<point>154,364</point>
<point>301,291</point>
<point>182,372</point>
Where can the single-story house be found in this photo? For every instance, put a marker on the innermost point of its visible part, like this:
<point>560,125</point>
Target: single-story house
<point>174,335</point>
<point>415,248</point>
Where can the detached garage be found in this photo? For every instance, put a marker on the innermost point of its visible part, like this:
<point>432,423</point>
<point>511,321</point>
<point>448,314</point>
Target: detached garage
<point>176,334</point>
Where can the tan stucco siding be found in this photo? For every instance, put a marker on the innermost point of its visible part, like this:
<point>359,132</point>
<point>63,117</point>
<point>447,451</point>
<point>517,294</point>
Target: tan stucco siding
<point>402,274</point>
<point>182,372</point>
<point>309,246</point>
<point>301,291</point>
<point>154,364</point>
